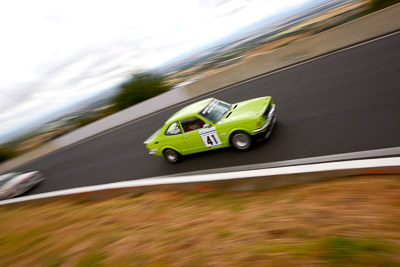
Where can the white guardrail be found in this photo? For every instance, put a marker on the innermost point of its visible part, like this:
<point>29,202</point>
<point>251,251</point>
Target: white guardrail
<point>365,28</point>
<point>237,181</point>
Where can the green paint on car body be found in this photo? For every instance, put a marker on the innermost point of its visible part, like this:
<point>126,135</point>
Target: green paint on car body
<point>209,124</point>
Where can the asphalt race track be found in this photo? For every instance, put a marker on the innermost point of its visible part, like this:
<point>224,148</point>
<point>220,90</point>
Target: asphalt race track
<point>344,102</point>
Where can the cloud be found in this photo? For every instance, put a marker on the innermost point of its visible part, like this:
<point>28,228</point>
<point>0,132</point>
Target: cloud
<point>54,53</point>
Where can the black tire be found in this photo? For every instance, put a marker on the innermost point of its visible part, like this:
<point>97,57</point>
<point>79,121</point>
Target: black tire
<point>171,155</point>
<point>241,141</point>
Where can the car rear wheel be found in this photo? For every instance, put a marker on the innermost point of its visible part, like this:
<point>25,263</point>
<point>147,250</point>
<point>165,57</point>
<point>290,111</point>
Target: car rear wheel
<point>241,141</point>
<point>171,155</point>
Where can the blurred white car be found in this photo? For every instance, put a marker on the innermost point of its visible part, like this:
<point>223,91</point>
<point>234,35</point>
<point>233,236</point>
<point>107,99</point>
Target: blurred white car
<point>14,183</point>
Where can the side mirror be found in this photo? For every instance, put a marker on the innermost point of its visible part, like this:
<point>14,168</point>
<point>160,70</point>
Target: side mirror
<point>206,125</point>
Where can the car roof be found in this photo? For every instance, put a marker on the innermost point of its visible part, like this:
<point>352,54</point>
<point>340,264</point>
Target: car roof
<point>190,110</point>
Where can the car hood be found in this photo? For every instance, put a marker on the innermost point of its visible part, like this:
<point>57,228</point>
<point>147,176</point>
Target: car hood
<point>248,109</point>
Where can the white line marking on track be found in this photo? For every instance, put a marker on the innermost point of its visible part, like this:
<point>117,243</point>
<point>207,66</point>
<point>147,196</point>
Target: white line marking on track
<point>376,153</point>
<point>204,178</point>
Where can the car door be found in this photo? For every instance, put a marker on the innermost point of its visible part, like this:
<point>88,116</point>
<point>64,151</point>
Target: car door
<point>174,137</point>
<point>197,138</point>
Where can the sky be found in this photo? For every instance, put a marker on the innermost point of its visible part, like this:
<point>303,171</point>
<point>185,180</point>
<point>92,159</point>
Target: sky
<point>56,53</point>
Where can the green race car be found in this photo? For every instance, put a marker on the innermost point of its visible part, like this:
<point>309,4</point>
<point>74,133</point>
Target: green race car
<point>211,124</point>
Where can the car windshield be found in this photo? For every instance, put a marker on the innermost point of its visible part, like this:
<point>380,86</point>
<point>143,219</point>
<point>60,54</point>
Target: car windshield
<point>215,110</point>
<point>6,178</point>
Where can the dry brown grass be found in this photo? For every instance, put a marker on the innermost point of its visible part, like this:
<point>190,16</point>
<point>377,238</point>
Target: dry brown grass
<point>344,222</point>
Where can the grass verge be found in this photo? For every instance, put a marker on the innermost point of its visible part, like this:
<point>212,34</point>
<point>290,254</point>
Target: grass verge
<point>346,222</point>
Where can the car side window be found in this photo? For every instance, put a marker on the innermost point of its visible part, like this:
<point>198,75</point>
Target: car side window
<point>192,124</point>
<point>173,129</point>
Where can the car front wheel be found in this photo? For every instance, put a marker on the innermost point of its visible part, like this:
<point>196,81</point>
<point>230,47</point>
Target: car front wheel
<point>171,155</point>
<point>241,141</point>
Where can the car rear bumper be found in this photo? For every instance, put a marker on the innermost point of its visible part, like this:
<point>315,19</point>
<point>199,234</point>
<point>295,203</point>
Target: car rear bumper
<point>153,152</point>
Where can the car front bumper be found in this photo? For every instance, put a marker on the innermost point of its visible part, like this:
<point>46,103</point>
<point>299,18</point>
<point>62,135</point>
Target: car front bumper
<point>268,130</point>
<point>270,121</point>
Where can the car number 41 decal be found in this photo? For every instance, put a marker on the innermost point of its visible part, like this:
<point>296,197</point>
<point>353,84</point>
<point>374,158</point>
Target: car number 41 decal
<point>210,137</point>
